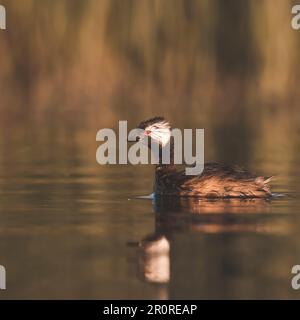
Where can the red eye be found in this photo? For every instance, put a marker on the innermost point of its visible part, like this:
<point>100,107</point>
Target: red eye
<point>147,132</point>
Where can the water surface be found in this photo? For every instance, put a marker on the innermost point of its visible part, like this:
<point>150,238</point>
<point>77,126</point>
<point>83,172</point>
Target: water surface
<point>70,228</point>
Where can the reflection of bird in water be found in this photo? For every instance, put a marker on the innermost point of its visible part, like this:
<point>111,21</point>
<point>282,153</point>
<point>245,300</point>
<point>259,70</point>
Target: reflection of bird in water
<point>154,262</point>
<point>154,258</point>
<point>212,206</point>
<point>211,215</point>
<point>191,215</point>
<point>216,181</point>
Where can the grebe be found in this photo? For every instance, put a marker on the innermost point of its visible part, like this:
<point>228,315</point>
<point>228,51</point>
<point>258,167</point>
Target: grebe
<point>216,181</point>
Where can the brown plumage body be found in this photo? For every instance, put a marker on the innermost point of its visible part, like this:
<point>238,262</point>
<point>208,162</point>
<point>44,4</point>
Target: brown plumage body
<point>216,181</point>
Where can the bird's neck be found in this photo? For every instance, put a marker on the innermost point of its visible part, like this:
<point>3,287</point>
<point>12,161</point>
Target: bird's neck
<point>162,167</point>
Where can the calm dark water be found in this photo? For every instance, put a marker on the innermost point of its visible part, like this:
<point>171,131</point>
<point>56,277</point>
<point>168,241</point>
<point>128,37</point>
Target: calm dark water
<point>70,228</point>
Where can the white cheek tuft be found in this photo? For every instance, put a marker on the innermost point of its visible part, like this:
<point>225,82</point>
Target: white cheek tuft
<point>160,133</point>
<point>165,138</point>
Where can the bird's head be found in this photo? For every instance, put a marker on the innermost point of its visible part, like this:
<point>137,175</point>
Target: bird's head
<point>157,129</point>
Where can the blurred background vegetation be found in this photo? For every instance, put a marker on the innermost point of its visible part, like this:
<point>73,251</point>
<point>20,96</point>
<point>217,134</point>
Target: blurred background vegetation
<point>71,67</point>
